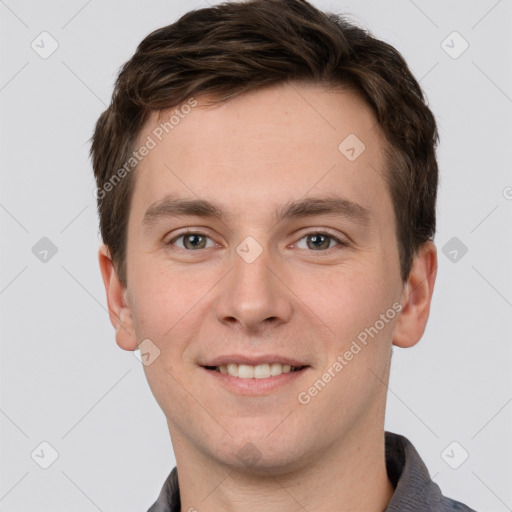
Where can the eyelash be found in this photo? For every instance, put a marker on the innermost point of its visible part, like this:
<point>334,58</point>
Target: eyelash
<point>340,242</point>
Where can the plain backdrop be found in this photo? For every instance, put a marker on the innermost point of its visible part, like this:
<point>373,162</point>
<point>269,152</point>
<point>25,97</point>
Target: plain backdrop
<point>65,382</point>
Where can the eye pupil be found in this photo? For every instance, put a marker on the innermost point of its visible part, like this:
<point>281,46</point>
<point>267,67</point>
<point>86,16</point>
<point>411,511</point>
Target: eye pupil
<point>188,239</point>
<point>316,238</point>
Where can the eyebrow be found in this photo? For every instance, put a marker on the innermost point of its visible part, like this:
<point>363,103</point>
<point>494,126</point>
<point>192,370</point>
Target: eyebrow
<point>173,206</point>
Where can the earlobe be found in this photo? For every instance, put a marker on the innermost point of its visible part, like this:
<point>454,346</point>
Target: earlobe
<point>417,297</point>
<point>118,306</point>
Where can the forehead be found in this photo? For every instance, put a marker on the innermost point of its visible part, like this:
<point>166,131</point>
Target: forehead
<point>265,146</point>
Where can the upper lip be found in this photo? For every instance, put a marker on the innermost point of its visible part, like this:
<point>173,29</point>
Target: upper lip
<point>253,360</point>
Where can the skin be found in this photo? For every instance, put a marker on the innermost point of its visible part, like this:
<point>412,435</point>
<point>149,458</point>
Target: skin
<point>294,299</point>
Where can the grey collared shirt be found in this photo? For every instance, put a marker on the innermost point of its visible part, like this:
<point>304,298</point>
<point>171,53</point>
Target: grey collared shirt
<point>414,490</point>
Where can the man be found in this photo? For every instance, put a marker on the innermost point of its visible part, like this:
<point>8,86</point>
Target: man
<point>266,188</point>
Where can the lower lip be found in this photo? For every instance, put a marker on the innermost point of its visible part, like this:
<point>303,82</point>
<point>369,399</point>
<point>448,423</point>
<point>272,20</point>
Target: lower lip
<point>256,386</point>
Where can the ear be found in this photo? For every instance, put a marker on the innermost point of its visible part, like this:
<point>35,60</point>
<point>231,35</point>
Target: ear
<point>118,307</point>
<point>416,297</point>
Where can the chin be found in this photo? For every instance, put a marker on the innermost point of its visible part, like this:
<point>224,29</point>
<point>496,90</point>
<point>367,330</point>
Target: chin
<point>256,454</point>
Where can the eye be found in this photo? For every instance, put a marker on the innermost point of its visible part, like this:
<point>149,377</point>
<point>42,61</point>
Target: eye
<point>191,241</point>
<point>317,240</point>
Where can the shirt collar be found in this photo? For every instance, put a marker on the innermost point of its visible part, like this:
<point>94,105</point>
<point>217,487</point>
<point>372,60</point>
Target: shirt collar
<point>414,489</point>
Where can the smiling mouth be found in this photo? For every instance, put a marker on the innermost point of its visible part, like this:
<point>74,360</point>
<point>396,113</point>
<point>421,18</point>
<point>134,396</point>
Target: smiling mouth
<point>261,371</point>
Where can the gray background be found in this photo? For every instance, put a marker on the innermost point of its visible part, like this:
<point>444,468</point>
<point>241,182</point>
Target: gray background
<point>63,378</point>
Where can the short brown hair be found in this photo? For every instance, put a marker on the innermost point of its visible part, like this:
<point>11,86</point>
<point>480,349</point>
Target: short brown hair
<point>236,47</point>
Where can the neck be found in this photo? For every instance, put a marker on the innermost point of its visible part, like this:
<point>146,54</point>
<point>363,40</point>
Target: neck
<point>349,476</point>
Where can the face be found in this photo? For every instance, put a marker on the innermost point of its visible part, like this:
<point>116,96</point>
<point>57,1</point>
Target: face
<point>264,282</point>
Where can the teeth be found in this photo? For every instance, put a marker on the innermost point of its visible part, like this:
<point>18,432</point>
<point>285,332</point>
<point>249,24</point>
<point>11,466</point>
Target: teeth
<point>233,369</point>
<point>245,371</point>
<point>261,371</point>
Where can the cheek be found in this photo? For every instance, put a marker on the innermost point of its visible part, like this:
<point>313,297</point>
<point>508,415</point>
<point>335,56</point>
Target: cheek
<point>358,309</point>
<point>347,299</point>
<point>164,301</point>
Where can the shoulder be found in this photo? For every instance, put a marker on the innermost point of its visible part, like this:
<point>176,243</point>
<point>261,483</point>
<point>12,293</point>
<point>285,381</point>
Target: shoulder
<point>169,498</point>
<point>450,505</point>
<point>415,491</point>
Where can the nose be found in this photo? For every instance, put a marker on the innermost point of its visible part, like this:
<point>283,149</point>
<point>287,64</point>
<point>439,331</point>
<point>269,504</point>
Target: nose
<point>253,296</point>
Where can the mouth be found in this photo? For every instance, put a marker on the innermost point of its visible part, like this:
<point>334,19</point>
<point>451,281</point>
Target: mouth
<point>262,379</point>
<point>254,374</point>
<point>260,371</point>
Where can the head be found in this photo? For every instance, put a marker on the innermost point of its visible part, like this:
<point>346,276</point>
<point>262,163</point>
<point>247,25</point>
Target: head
<point>255,109</point>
